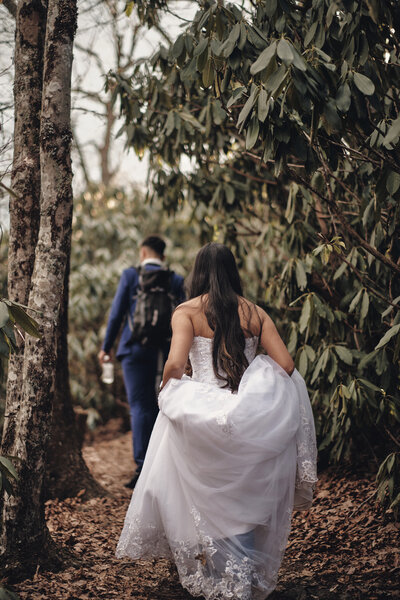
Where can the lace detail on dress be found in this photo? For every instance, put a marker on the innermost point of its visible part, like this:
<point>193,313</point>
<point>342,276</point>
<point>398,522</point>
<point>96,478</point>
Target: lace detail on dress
<point>217,569</point>
<point>142,540</point>
<point>306,472</point>
<point>223,568</point>
<point>225,423</point>
<point>201,359</point>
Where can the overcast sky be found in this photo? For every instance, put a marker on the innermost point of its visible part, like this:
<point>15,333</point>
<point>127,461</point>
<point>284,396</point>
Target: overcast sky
<point>94,32</point>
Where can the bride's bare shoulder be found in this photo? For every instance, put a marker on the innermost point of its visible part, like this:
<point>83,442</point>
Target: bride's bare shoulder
<point>192,305</point>
<point>252,316</point>
<point>248,305</point>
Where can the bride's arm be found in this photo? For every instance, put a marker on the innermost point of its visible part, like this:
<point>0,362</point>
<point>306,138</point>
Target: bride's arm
<point>272,342</point>
<point>182,338</point>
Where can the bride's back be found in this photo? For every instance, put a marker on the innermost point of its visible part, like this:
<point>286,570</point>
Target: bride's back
<point>249,315</point>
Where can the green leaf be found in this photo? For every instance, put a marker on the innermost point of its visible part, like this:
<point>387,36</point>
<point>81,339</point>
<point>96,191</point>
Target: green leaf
<point>208,74</point>
<point>263,105</point>
<point>270,8</point>
<point>321,364</point>
<point>355,301</point>
<point>201,46</point>
<point>344,354</point>
<point>364,84</point>
<point>390,308</point>
<point>333,370</point>
<point>292,339</point>
<point>244,113</point>
<point>305,315</point>
<point>364,305</point>
<point>8,331</point>
<point>303,361</point>
<point>229,193</point>
<point>301,276</point>
<point>273,83</point>
<point>325,57</point>
<point>243,36</point>
<point>388,336</point>
<point>189,118</point>
<point>170,123</point>
<point>343,98</point>
<point>284,51</point>
<point>235,96</point>
<point>4,347</point>
<point>129,8</point>
<point>229,45</point>
<point>310,353</point>
<point>252,132</point>
<point>310,33</point>
<point>264,59</point>
<point>4,314</point>
<point>330,117</point>
<point>339,272</point>
<point>25,321</point>
<point>178,46</point>
<point>370,385</point>
<point>202,60</point>
<point>393,182</point>
<point>6,594</point>
<point>7,467</point>
<point>298,61</point>
<point>393,133</point>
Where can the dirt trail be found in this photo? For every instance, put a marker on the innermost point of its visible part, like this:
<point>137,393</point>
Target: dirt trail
<point>341,549</point>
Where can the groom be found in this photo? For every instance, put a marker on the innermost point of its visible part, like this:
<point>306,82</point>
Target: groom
<point>139,362</point>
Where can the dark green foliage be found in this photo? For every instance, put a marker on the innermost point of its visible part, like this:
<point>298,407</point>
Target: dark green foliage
<point>290,114</point>
<point>7,475</point>
<point>13,320</point>
<point>6,594</point>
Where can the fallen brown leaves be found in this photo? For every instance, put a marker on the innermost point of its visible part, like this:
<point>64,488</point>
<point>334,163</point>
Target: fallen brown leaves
<point>343,548</point>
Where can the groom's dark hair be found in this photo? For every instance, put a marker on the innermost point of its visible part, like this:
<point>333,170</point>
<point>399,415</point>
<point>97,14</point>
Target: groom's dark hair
<point>156,243</point>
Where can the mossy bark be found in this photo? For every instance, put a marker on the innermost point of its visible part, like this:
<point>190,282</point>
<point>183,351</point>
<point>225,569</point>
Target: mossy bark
<point>25,541</point>
<point>25,178</point>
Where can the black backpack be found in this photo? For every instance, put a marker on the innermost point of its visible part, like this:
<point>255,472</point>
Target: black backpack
<point>154,306</point>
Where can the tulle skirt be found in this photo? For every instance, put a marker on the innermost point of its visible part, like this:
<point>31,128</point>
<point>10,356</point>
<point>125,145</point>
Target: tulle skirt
<point>222,475</point>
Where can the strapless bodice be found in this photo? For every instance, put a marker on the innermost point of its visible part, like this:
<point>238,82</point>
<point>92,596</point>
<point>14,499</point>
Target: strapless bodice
<point>201,358</point>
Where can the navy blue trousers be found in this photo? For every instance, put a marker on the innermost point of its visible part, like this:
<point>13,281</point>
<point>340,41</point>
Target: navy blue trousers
<point>140,372</point>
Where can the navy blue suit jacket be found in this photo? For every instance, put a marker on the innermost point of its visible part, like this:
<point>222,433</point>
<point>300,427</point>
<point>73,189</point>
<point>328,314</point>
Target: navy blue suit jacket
<point>124,301</point>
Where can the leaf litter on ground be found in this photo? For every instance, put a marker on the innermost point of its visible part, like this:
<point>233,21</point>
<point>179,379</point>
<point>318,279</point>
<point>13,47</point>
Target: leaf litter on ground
<point>344,547</point>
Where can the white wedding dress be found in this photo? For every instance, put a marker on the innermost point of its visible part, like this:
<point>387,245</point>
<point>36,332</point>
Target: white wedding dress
<point>222,475</point>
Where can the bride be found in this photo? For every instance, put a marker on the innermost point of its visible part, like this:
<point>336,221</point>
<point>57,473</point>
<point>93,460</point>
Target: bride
<point>233,449</point>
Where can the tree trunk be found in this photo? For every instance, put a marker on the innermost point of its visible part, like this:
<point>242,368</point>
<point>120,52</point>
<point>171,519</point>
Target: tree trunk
<point>66,472</point>
<point>25,538</point>
<point>25,178</point>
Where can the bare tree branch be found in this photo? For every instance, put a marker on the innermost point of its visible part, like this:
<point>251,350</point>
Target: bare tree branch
<point>81,157</point>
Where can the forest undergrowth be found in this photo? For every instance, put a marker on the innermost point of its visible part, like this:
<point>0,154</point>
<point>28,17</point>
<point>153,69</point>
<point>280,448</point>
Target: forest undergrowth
<point>344,547</point>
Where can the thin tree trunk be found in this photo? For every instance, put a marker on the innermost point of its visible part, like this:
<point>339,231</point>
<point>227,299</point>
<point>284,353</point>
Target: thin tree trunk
<point>25,538</point>
<point>25,180</point>
<point>107,173</point>
<point>66,471</point>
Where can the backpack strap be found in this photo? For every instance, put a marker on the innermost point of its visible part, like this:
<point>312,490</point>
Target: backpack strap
<point>128,314</point>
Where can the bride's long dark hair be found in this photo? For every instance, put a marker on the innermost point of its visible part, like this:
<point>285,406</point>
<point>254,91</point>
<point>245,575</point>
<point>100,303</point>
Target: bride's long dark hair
<point>215,273</point>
